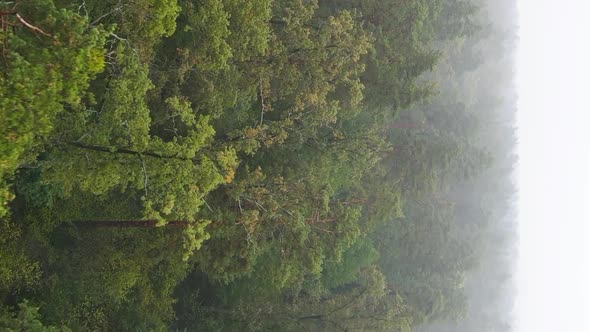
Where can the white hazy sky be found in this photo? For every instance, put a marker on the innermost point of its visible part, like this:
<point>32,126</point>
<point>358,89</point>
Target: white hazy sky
<point>553,80</point>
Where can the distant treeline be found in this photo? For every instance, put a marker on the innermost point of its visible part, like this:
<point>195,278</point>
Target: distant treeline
<point>334,165</point>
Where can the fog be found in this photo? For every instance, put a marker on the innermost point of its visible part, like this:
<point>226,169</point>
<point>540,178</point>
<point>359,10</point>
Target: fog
<point>490,287</point>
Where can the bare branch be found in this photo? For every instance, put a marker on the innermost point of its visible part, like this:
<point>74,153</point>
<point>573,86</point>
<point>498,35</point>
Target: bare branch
<point>116,8</point>
<point>206,204</point>
<point>145,176</point>
<point>83,6</point>
<point>30,26</point>
<point>248,235</point>
<point>261,102</point>
<point>117,37</point>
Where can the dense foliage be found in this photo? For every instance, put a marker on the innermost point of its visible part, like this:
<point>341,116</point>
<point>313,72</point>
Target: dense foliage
<point>222,165</point>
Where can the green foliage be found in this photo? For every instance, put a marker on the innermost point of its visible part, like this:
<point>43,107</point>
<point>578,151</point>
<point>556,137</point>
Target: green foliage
<point>112,278</point>
<point>207,25</point>
<point>16,268</point>
<point>42,76</point>
<point>114,148</point>
<point>343,272</point>
<point>248,25</point>
<point>27,319</point>
<point>141,24</point>
<point>228,165</point>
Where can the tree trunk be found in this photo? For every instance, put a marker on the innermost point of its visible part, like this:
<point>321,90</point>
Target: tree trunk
<point>129,223</point>
<point>120,150</point>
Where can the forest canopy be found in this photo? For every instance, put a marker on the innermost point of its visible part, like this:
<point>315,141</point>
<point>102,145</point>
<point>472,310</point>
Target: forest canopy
<point>263,165</point>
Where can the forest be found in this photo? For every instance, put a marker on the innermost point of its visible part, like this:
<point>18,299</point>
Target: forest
<point>259,165</point>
